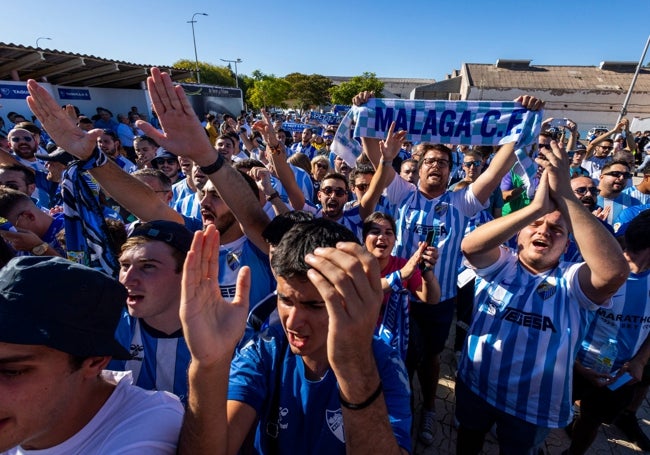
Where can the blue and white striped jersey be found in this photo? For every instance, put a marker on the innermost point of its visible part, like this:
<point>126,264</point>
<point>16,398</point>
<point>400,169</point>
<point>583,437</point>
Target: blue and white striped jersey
<point>524,337</point>
<point>617,205</point>
<point>448,214</point>
<point>627,321</point>
<point>351,218</point>
<point>159,362</point>
<point>632,191</point>
<point>189,206</point>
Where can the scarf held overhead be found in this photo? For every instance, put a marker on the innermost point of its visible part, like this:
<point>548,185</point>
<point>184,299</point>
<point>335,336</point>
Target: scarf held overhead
<point>444,122</point>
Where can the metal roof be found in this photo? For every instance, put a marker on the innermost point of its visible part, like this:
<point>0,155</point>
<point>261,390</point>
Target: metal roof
<point>613,76</point>
<point>19,63</point>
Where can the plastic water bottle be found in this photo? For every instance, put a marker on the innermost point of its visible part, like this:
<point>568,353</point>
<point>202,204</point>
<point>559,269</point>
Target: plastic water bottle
<point>607,356</point>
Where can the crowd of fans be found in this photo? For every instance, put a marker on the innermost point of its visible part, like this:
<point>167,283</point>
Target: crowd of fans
<point>283,300</point>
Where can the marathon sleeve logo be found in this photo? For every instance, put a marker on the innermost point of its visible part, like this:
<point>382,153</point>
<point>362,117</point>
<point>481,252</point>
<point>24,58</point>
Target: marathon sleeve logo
<point>532,320</point>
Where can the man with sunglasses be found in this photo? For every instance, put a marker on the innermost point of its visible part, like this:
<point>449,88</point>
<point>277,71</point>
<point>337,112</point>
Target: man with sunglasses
<point>586,191</point>
<point>430,206</point>
<point>24,146</point>
<point>613,180</point>
<point>599,150</point>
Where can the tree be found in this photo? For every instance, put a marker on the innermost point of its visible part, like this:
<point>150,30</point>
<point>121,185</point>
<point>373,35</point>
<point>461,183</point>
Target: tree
<point>343,93</point>
<point>310,90</point>
<point>210,74</point>
<point>268,91</point>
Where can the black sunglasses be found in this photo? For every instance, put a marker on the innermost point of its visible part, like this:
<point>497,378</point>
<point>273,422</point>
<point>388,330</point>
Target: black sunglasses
<point>584,189</point>
<point>338,192</point>
<point>619,174</point>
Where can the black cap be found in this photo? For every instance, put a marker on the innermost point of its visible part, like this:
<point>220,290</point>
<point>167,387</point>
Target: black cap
<point>58,155</point>
<point>54,302</point>
<point>162,153</point>
<point>173,234</point>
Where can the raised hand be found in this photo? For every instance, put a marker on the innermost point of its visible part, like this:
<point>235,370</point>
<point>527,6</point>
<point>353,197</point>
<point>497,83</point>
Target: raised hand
<point>391,146</point>
<point>61,124</point>
<point>212,326</point>
<point>183,133</point>
<point>348,279</point>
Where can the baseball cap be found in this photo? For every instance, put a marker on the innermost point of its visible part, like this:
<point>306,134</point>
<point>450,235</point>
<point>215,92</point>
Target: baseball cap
<point>58,156</point>
<point>173,234</point>
<point>579,147</point>
<point>162,153</point>
<point>66,306</point>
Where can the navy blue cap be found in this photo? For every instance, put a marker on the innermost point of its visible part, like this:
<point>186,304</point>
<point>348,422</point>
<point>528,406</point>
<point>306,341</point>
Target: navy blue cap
<point>66,306</point>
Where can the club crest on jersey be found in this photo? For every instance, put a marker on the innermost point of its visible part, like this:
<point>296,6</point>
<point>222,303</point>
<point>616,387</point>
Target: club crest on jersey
<point>232,259</point>
<point>440,210</point>
<point>546,290</point>
<point>335,423</point>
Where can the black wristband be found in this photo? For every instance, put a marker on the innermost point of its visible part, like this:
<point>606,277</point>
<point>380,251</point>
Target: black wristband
<point>214,167</point>
<point>272,196</point>
<point>370,400</point>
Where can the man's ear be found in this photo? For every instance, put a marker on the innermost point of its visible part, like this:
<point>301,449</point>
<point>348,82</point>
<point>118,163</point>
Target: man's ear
<point>93,366</point>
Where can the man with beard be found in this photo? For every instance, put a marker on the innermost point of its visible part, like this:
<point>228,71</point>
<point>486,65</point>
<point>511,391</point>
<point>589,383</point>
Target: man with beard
<point>304,146</point>
<point>613,180</point>
<point>109,143</point>
<point>587,192</point>
<point>242,226</point>
<point>24,146</point>
<point>429,206</point>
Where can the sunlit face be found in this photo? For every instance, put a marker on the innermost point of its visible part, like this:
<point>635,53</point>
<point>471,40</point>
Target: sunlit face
<point>578,157</point>
<point>225,147</point>
<point>361,184</point>
<point>542,243</point>
<point>145,151</point>
<point>23,143</point>
<point>603,149</point>
<point>38,396</point>
<point>586,191</point>
<point>107,145</point>
<point>341,166</point>
<point>380,239</point>
<point>215,211</point>
<point>472,167</point>
<point>332,203</point>
<point>297,136</point>
<point>148,271</point>
<point>613,180</point>
<point>434,170</point>
<point>408,172</point>
<point>306,136</point>
<point>198,177</point>
<point>169,167</point>
<point>319,169</point>
<point>304,317</point>
<point>15,180</point>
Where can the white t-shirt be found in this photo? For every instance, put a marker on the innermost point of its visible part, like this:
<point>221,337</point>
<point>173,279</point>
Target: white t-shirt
<point>132,421</point>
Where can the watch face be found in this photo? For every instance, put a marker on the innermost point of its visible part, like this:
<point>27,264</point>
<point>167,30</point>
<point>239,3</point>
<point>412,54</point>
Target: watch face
<point>38,250</point>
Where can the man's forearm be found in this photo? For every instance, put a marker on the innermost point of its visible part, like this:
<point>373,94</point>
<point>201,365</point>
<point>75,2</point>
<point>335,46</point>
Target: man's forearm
<point>205,426</point>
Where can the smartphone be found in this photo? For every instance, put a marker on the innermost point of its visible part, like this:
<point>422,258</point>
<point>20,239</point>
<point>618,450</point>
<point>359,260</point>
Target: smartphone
<point>560,122</point>
<point>621,381</point>
<point>432,238</point>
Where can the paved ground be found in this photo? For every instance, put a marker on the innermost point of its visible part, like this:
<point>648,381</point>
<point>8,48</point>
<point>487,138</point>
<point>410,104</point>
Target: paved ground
<point>610,439</point>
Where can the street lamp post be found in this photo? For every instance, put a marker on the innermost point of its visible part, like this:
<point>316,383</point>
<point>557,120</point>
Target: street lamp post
<point>196,57</point>
<point>235,62</point>
<point>40,38</point>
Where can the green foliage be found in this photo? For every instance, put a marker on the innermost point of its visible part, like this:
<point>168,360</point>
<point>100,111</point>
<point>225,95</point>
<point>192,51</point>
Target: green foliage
<point>343,93</point>
<point>267,91</point>
<point>210,74</point>
<point>312,90</point>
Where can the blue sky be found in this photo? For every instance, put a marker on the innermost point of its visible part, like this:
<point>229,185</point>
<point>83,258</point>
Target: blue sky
<point>411,38</point>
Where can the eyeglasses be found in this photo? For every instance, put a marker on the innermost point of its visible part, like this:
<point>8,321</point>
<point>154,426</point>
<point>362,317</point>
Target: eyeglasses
<point>544,146</point>
<point>472,164</point>
<point>362,186</point>
<point>619,174</point>
<point>21,138</point>
<point>431,161</point>
<point>584,189</point>
<point>328,136</point>
<point>605,147</point>
<point>322,165</point>
<point>338,192</point>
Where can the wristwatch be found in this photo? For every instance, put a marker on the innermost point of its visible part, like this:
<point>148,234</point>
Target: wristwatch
<point>39,250</point>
